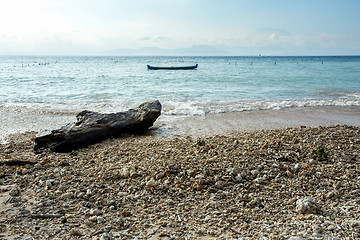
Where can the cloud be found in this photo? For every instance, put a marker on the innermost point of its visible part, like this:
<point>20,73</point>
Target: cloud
<point>146,38</point>
<point>160,38</point>
<point>153,38</point>
<point>275,31</point>
<point>330,40</point>
<point>283,39</point>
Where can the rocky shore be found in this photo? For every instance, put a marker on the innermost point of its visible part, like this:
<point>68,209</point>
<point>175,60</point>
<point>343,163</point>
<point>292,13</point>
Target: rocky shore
<point>290,183</point>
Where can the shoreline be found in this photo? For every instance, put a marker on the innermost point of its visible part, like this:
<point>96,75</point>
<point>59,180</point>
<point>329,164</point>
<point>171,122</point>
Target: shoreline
<point>232,122</point>
<point>42,122</point>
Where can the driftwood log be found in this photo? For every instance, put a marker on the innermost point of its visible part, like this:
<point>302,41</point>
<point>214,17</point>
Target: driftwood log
<point>93,127</point>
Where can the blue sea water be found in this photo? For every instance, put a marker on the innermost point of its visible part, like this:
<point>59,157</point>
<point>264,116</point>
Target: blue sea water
<point>220,84</point>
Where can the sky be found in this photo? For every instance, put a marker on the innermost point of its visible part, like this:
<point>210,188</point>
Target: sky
<point>242,27</point>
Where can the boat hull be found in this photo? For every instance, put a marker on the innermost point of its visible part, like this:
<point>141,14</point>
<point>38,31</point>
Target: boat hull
<point>172,68</point>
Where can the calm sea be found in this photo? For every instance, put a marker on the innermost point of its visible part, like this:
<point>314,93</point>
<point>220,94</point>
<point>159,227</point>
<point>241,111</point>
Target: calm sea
<point>68,85</point>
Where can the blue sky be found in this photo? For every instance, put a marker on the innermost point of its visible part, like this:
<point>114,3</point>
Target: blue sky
<point>244,27</point>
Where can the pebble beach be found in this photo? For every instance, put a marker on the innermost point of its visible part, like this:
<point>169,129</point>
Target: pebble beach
<point>286,183</point>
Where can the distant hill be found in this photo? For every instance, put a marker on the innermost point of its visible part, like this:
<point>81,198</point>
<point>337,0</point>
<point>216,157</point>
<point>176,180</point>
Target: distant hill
<point>208,50</point>
<point>199,50</point>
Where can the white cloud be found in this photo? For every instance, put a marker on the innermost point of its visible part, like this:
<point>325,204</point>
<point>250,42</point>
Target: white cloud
<point>146,38</point>
<point>276,31</point>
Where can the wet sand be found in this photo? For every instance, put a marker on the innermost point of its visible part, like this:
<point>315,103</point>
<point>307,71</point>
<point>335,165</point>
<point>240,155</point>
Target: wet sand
<point>21,120</point>
<point>42,122</point>
<point>227,123</point>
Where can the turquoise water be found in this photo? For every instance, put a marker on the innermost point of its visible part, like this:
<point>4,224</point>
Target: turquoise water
<point>220,84</point>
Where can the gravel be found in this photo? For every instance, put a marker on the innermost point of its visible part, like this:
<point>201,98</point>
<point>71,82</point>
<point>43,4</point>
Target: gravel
<point>290,183</point>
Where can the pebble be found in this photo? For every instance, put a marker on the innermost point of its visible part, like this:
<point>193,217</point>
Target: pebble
<point>307,205</point>
<point>90,223</point>
<point>67,195</point>
<point>330,195</point>
<point>150,184</point>
<point>220,184</point>
<point>238,178</point>
<point>100,219</point>
<point>297,167</point>
<point>93,218</point>
<point>38,166</point>
<point>14,192</point>
<point>49,183</point>
<point>96,212</point>
<point>123,173</point>
<point>106,236</point>
<point>75,232</point>
<point>122,194</point>
<point>312,161</point>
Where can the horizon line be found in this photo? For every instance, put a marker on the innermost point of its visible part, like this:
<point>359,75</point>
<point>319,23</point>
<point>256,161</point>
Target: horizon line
<point>146,55</point>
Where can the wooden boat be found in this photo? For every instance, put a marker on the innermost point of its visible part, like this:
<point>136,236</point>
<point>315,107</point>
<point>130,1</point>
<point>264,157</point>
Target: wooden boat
<point>172,68</point>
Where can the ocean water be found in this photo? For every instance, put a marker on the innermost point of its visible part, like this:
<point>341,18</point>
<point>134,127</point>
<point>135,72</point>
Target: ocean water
<point>59,85</point>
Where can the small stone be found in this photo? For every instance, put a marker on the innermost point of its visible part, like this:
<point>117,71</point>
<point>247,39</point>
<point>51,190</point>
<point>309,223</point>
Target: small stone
<point>354,223</point>
<point>160,175</point>
<point>164,234</point>
<point>64,163</point>
<point>170,202</point>
<point>122,194</point>
<point>100,219</point>
<point>14,192</point>
<point>95,212</point>
<point>200,176</point>
<point>2,228</point>
<point>80,195</point>
<point>329,195</point>
<point>316,229</point>
<point>75,232</point>
<point>93,218</point>
<point>220,184</point>
<point>331,227</point>
<point>312,161</point>
<point>106,236</point>
<point>297,167</point>
<point>49,183</point>
<point>150,184</point>
<point>67,195</point>
<point>198,185</point>
<point>90,223</point>
<point>238,178</point>
<point>134,173</point>
<point>255,172</point>
<point>292,200</point>
<point>307,205</point>
<point>123,173</point>
<point>111,203</point>
<point>254,202</point>
<point>38,166</point>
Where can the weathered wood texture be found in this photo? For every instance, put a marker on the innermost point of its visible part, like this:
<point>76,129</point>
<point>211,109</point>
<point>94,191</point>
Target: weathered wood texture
<point>92,127</point>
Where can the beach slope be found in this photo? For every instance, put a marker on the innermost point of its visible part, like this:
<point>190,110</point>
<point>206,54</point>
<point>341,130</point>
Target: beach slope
<point>300,181</point>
